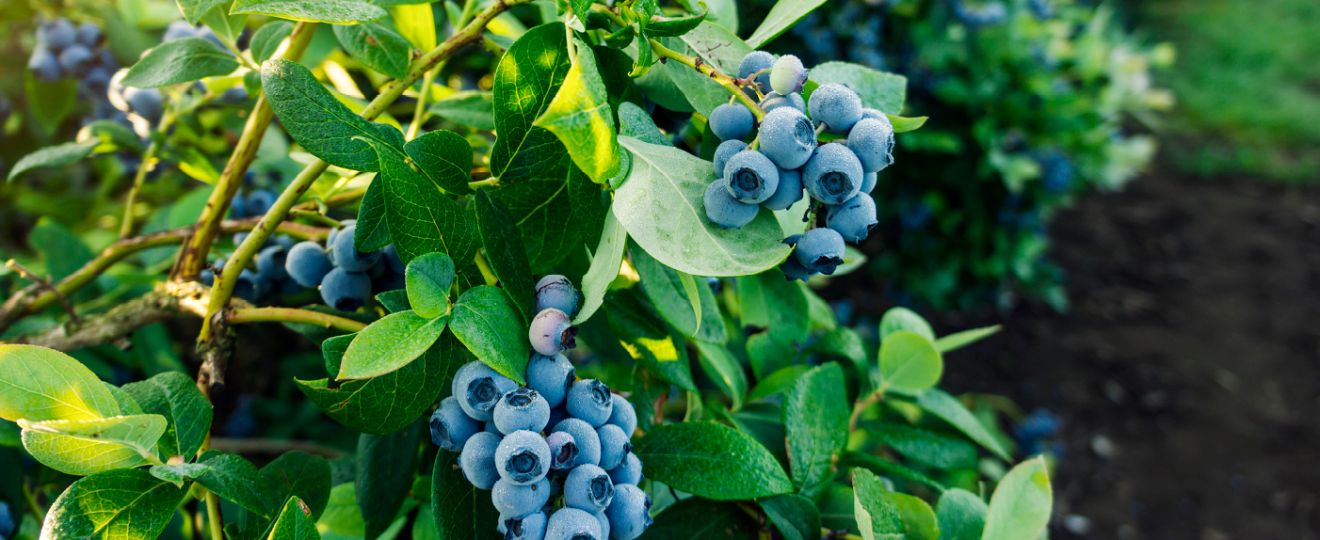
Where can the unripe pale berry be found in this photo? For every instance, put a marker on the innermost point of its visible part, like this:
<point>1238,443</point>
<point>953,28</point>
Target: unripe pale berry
<point>788,75</point>
<point>552,332</point>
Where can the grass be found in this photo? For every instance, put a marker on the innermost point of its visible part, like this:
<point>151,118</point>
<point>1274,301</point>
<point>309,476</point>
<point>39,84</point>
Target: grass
<point>1247,82</point>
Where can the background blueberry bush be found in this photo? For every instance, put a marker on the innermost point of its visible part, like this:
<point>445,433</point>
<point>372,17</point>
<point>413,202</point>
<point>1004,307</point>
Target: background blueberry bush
<point>494,219</point>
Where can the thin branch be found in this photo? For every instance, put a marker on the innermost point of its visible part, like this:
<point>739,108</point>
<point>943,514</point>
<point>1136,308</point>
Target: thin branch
<point>293,315</point>
<point>45,284</point>
<point>729,83</point>
<point>148,163</point>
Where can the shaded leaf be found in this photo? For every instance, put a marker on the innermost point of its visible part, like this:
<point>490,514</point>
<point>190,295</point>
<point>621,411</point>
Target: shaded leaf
<point>664,286</point>
<point>724,370</point>
<point>796,517</point>
<point>961,515</point>
<point>471,109</point>
<point>699,519</point>
<point>384,475</point>
<point>445,158</point>
<point>461,510</point>
<point>885,467</point>
<point>816,419</point>
<point>949,409</point>
<point>378,47</point>
<point>179,61</point>
<point>778,308</point>
<point>227,475</point>
<point>193,10</point>
<point>422,219</point>
<point>267,40</point>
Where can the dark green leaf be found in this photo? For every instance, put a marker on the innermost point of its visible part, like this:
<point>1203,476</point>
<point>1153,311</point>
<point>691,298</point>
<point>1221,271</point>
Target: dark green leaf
<point>961,515</point>
<point>949,409</point>
<point>179,61</point>
<point>422,218</point>
<point>487,322</point>
<point>877,517</point>
<point>127,504</point>
<point>605,264</point>
<point>372,231</point>
<point>724,370</point>
<point>964,338</point>
<point>376,46</point>
<point>296,474</point>
<point>428,279</point>
<point>461,510</point>
<point>267,40</point>
<point>227,27</point>
<point>777,382</point>
<point>918,518</point>
<point>931,448</point>
<point>844,342</point>
<point>194,9</point>
<point>328,11</point>
<point>1020,507</point>
<point>795,516</point>
<point>294,523</point>
<point>229,476</point>
<point>445,158</point>
<point>884,467</point>
<point>674,26</point>
<point>622,37</point>
<point>699,519</point>
<point>384,475</point>
<point>664,287</point>
<point>53,156</point>
<point>816,419</point>
<point>777,305</point>
<point>879,90</point>
<point>711,461</point>
<point>505,252</point>
<point>590,203</point>
<point>783,16</point>
<point>836,508</point>
<point>475,110</point>
<point>176,397</point>
<point>647,339</point>
<point>909,361</point>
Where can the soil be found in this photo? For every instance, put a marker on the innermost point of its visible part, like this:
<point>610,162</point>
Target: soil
<point>1187,373</point>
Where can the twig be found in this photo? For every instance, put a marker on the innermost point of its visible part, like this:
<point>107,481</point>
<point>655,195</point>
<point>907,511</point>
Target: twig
<point>865,402</point>
<point>45,284</point>
<point>148,163</point>
<point>293,315</point>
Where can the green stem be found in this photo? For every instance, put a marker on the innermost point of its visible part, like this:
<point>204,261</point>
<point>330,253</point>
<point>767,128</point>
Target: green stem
<point>213,517</point>
<point>315,216</point>
<point>492,181</point>
<point>30,497</point>
<point>148,163</point>
<point>419,114</point>
<point>486,271</point>
<point>865,402</point>
<point>293,315</point>
<point>729,83</point>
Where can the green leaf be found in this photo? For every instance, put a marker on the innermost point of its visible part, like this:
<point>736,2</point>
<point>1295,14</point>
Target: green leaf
<point>416,22</point>
<point>471,109</point>
<point>604,266</point>
<point>903,125</point>
<point>175,396</point>
<point>39,384</point>
<point>879,90</point>
<point>384,475</point>
<point>661,206</point>
<point>328,11</point>
<point>636,123</point>
<point>53,156</point>
<point>295,523</point>
<point>505,252</point>
<point>711,461</point>
<point>1020,507</point>
<point>342,516</point>
<point>376,46</point>
<point>664,286</point>
<point>590,204</point>
<point>83,447</point>
<point>389,344</point>
<point>179,61</point>
<point>194,9</point>
<point>777,307</point>
<point>901,318</point>
<point>50,102</point>
<point>647,339</point>
<point>714,45</point>
<point>421,217</point>
<point>877,516</point>
<point>816,419</point>
<point>63,250</point>
<point>428,280</point>
<point>949,409</point>
<point>836,508</point>
<point>394,301</point>
<point>961,515</point>
<point>783,16</point>
<point>885,467</point>
<point>461,510</point>
<point>373,229</point>
<point>777,382</point>
<point>964,338</point>
<point>931,448</point>
<point>296,474</point>
<point>909,361</point>
<point>674,26</point>
<point>126,504</point>
<point>318,122</point>
<point>228,475</point>
<point>227,27</point>
<point>267,40</point>
<point>698,519</point>
<point>445,158</point>
<point>332,351</point>
<point>112,136</point>
<point>581,117</point>
<point>918,518</point>
<point>487,322</point>
<point>844,342</point>
<point>724,370</point>
<point>387,403</point>
<point>796,517</point>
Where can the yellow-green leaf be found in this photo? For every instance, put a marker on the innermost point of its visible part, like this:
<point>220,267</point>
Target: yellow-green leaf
<point>580,116</point>
<point>83,447</point>
<point>39,384</point>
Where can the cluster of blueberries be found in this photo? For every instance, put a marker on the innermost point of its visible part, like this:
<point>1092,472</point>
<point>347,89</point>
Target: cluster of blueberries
<point>556,437</point>
<point>788,158</point>
<point>64,51</point>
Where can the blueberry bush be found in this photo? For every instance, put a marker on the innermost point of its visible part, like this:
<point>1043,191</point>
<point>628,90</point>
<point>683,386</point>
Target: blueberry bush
<point>558,284</point>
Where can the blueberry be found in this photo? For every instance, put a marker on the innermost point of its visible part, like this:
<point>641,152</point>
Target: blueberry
<point>629,512</point>
<point>731,121</point>
<point>623,414</point>
<point>251,286</point>
<point>392,259</point>
<point>787,137</point>
<point>588,488</point>
<point>6,521</point>
<point>145,102</point>
<point>724,151</point>
<point>788,75</point>
<point>479,388</point>
<point>854,218</point>
<point>724,210</point>
<point>751,177</point>
<point>775,100</point>
<point>836,106</point>
<point>57,34</point>
<point>614,445</point>
<point>873,142</point>
<point>590,401</point>
<point>629,472</point>
<point>558,414</point>
<point>344,290</point>
<point>820,250</point>
<point>563,450</point>
<point>208,275</point>
<point>179,30</point>
<point>240,237</point>
<point>44,65</point>
<point>283,240</point>
<point>379,268</point>
<point>526,528</point>
<point>108,60</point>
<point>874,114</point>
<point>76,60</point>
<point>307,263</point>
<point>551,332</point>
<point>451,427</point>
<point>478,460</point>
<point>572,524</point>
<point>793,269</point>
<point>97,82</point>
<point>521,409</point>
<point>259,202</point>
<point>330,238</point>
<point>489,427</point>
<point>89,34</point>
<point>346,256</point>
<point>550,376</point>
<point>833,175</point>
<point>788,192</point>
<point>588,443</point>
<point>868,182</point>
<point>756,61</point>
<point>604,523</point>
<point>556,291</point>
<point>519,501</point>
<point>271,262</point>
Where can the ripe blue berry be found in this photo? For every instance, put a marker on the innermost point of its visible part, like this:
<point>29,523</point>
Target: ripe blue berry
<point>307,264</point>
<point>563,450</point>
<point>724,210</point>
<point>614,445</point>
<point>550,376</point>
<point>552,332</point>
<point>178,30</point>
<point>793,269</point>
<point>44,65</point>
<point>868,182</point>
<point>629,512</point>
<point>788,192</point>
<point>588,443</point>
<point>259,202</point>
<point>478,460</point>
<point>724,151</point>
<point>836,106</point>
<point>556,291</point>
<point>572,524</point>
<point>604,523</point>
<point>97,81</point>
<point>731,121</point>
<point>788,75</point>
<point>521,409</point>
<point>451,427</point>
<point>854,218</point>
<point>833,175</point>
<point>345,291</point>
<point>57,34</point>
<point>873,143</point>
<point>523,458</point>
<point>519,501</point>
<point>589,400</point>
<point>345,255</point>
<point>251,286</point>
<point>757,61</point>
<point>89,34</point>
<point>623,415</point>
<point>874,114</point>
<point>751,177</point>
<point>283,240</point>
<point>479,388</point>
<point>490,428</point>
<point>787,137</point>
<point>76,60</point>
<point>629,472</point>
<point>271,262</point>
<point>588,488</point>
<point>392,259</point>
<point>775,100</point>
<point>145,102</point>
<point>820,250</point>
<point>526,528</point>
